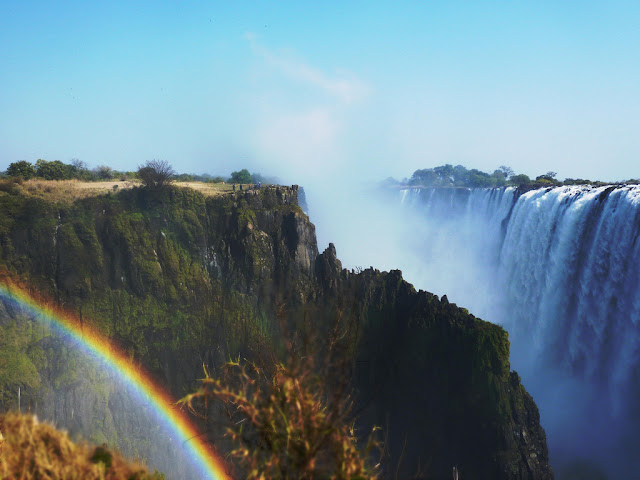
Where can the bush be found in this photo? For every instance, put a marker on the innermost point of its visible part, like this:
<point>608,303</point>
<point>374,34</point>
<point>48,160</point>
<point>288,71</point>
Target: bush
<point>55,170</point>
<point>22,169</point>
<point>243,176</point>
<point>282,425</point>
<point>156,173</point>
<point>103,172</point>
<point>519,180</point>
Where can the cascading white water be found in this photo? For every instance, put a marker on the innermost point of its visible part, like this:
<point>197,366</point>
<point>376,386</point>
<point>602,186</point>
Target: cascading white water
<point>559,268</point>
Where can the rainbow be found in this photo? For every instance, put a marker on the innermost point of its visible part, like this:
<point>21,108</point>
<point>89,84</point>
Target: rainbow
<point>204,459</point>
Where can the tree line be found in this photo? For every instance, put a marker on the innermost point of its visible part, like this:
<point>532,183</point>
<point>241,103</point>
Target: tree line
<point>459,176</point>
<point>153,172</point>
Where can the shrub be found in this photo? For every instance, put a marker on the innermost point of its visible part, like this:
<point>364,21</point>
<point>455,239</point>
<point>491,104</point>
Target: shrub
<point>243,176</point>
<point>521,179</point>
<point>155,173</point>
<point>22,169</point>
<point>55,170</point>
<point>104,172</point>
<point>282,424</point>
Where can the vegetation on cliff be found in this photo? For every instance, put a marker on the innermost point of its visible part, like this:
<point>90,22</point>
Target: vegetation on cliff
<point>79,170</point>
<point>459,176</point>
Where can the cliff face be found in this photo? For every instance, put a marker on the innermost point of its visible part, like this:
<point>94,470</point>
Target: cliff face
<point>180,280</point>
<point>438,380</point>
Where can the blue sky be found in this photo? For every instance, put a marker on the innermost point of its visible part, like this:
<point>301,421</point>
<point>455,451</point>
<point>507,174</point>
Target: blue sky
<point>312,92</point>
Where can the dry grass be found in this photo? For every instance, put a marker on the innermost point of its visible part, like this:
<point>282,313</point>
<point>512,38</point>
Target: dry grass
<point>64,191</point>
<point>208,189</point>
<point>67,191</point>
<point>31,450</point>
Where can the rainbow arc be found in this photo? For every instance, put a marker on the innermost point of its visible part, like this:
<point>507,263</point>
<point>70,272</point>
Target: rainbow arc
<point>203,457</point>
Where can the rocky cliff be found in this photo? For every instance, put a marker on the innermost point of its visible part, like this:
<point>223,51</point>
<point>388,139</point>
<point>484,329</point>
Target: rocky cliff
<point>179,280</point>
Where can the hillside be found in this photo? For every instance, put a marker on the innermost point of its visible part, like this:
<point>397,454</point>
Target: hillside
<point>179,279</point>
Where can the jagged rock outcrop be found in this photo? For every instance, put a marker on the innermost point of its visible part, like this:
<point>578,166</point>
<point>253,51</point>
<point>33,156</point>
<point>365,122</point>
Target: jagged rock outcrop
<point>179,280</point>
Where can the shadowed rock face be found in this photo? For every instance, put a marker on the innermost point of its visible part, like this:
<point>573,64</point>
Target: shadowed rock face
<point>438,380</point>
<point>179,280</point>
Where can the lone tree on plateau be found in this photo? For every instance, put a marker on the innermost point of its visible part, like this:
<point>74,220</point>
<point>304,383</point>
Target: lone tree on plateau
<point>155,173</point>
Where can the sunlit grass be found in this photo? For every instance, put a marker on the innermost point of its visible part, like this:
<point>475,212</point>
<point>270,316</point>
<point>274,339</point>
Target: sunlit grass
<point>67,191</point>
<point>33,450</point>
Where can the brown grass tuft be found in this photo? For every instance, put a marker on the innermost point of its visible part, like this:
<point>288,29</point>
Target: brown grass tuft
<point>32,450</point>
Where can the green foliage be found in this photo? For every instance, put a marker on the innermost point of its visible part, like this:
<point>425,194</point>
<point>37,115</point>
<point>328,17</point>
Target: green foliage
<point>55,170</point>
<point>103,172</point>
<point>22,169</point>
<point>192,177</point>
<point>459,176</point>
<point>18,363</point>
<point>520,179</point>
<point>243,176</point>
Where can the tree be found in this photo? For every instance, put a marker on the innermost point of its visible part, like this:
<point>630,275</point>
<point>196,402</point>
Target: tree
<point>103,172</point>
<point>55,170</point>
<point>508,171</point>
<point>520,179</point>
<point>79,169</point>
<point>156,173</point>
<point>243,176</point>
<point>478,179</point>
<point>445,174</point>
<point>500,177</point>
<point>22,169</point>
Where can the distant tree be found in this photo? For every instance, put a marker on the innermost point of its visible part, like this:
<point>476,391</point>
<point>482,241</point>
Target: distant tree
<point>156,173</point>
<point>444,174</point>
<point>22,169</point>
<point>425,176</point>
<point>520,179</point>
<point>103,172</point>
<point>500,177</point>
<point>548,177</point>
<point>79,169</point>
<point>478,179</point>
<point>78,164</point>
<point>508,171</point>
<point>243,176</point>
<point>55,170</point>
<point>185,177</point>
<point>460,175</point>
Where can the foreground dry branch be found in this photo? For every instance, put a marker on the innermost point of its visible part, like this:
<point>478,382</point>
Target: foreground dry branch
<point>282,426</point>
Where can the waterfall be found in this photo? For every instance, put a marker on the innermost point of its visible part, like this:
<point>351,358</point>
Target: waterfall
<point>559,268</point>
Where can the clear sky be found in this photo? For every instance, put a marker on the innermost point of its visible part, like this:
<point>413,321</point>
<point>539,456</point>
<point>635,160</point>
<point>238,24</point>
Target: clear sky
<point>314,91</point>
